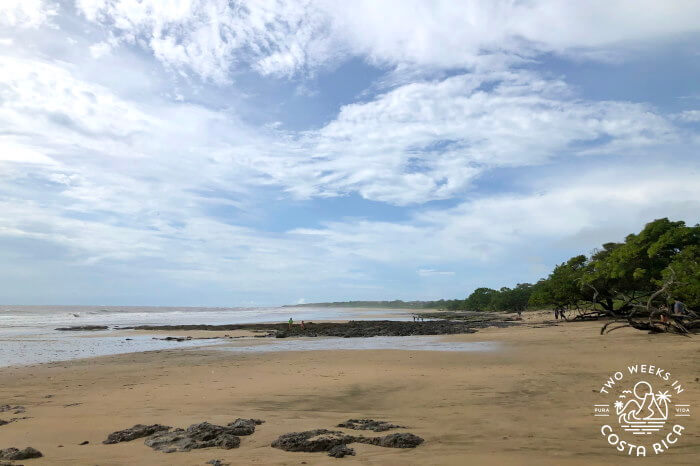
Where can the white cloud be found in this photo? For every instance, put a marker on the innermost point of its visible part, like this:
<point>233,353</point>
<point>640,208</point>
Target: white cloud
<point>429,140</point>
<point>100,49</point>
<point>689,116</point>
<point>26,13</point>
<point>284,37</point>
<point>568,208</point>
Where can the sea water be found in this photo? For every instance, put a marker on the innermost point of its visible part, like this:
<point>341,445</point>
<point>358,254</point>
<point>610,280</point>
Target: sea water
<point>28,334</point>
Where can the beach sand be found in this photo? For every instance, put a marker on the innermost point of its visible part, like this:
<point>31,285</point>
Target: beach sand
<point>530,403</point>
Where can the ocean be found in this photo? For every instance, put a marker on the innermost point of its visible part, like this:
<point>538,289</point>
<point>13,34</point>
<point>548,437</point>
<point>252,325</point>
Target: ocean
<point>28,334</point>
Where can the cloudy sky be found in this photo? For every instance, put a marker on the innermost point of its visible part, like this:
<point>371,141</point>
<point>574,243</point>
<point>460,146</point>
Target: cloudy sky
<point>214,152</point>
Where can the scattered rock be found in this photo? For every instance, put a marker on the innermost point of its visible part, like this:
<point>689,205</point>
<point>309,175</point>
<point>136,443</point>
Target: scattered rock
<point>83,328</point>
<point>3,422</point>
<point>16,454</point>
<point>132,433</point>
<point>336,442</point>
<point>16,409</point>
<point>217,463</point>
<point>402,440</point>
<point>369,424</point>
<point>312,440</point>
<point>203,435</point>
<point>244,426</point>
<point>339,451</point>
<point>84,442</point>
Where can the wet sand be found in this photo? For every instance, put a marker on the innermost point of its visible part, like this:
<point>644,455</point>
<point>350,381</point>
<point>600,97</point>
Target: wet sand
<point>529,403</point>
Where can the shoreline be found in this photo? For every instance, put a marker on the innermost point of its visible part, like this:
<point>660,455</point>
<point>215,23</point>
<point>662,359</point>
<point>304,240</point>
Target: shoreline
<point>528,403</point>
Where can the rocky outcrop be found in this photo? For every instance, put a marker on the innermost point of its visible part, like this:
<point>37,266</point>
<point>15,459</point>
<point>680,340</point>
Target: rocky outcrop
<point>83,328</point>
<point>402,440</point>
<point>312,440</point>
<point>339,451</point>
<point>369,424</point>
<point>352,329</point>
<point>14,409</point>
<point>336,442</point>
<point>14,454</point>
<point>132,433</point>
<point>244,426</point>
<point>202,435</point>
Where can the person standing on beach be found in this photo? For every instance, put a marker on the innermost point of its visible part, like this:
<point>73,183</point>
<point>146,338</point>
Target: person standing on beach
<point>291,322</point>
<point>678,308</point>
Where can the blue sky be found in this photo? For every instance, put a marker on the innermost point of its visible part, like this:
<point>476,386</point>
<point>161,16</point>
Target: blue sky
<point>208,152</point>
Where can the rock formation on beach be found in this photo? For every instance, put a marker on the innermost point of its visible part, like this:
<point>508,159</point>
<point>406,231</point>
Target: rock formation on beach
<point>83,328</point>
<point>352,329</point>
<point>132,433</point>
<point>202,435</point>
<point>336,442</point>
<point>13,454</point>
<point>196,436</point>
<point>369,424</point>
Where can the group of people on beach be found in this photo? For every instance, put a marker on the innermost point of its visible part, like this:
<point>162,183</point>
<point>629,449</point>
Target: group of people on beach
<point>418,319</point>
<point>291,322</point>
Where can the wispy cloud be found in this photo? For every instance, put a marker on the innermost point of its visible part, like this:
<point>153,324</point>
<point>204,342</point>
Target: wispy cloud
<point>144,141</point>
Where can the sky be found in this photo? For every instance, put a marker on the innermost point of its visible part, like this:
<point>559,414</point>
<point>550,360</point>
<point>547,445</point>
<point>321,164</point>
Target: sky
<point>225,153</point>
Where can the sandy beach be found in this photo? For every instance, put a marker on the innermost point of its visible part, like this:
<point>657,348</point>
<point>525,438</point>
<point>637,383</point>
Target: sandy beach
<point>527,403</point>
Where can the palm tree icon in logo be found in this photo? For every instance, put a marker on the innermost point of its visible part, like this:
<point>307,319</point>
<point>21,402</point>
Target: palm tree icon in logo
<point>647,412</point>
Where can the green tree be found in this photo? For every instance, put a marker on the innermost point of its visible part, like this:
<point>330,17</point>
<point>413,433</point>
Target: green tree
<point>480,299</point>
<point>623,274</point>
<point>562,288</point>
<point>513,300</point>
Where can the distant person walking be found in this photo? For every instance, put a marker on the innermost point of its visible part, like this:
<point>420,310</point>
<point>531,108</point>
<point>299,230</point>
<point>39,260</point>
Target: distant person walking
<point>291,322</point>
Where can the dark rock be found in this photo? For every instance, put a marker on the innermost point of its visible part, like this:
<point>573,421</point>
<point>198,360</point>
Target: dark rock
<point>203,435</point>
<point>402,440</point>
<point>83,328</point>
<point>312,440</point>
<point>336,441</point>
<point>16,409</point>
<point>369,424</point>
<point>132,433</point>
<point>84,442</point>
<point>3,422</point>
<point>244,426</point>
<point>358,328</point>
<point>16,454</point>
<point>340,451</point>
<point>217,463</point>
